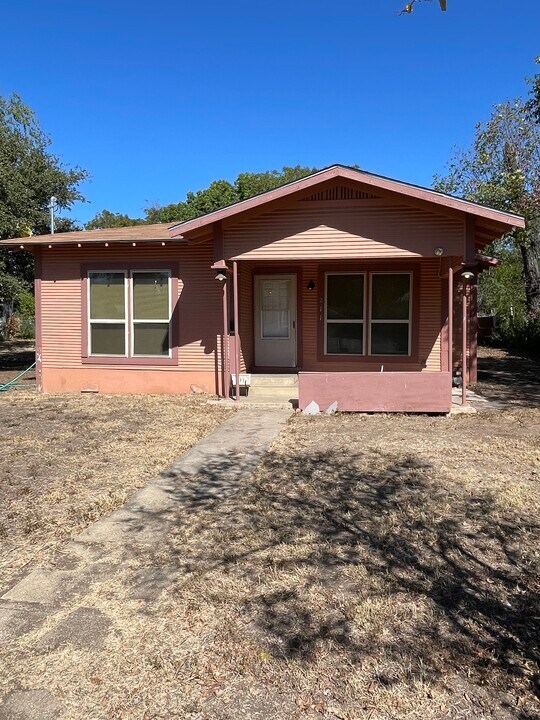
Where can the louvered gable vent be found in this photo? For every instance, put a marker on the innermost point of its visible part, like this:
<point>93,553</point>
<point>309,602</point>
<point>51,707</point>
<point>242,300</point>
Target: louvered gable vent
<point>340,192</point>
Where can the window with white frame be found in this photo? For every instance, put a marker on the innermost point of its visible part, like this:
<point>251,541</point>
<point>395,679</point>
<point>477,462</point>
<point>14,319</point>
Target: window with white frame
<point>385,321</point>
<point>390,314</point>
<point>129,313</point>
<point>344,313</point>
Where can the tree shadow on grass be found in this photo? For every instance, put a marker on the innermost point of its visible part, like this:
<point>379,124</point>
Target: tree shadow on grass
<point>512,378</point>
<point>375,556</point>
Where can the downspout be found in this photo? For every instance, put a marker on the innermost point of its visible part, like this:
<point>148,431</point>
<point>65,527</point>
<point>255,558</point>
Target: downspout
<point>38,270</point>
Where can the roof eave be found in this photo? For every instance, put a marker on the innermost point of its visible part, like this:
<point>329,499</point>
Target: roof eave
<point>509,220</point>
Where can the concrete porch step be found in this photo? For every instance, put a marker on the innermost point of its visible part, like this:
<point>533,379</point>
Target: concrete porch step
<point>264,402</point>
<point>278,380</point>
<point>272,394</point>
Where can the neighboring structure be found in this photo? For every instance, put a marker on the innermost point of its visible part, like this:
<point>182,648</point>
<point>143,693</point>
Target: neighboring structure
<point>343,277</point>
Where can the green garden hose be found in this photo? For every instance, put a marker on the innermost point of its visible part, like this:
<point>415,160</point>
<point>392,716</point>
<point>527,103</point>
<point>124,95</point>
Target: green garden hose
<point>13,383</point>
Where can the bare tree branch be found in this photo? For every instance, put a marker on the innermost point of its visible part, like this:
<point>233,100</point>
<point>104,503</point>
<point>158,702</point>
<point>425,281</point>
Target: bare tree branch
<point>407,10</point>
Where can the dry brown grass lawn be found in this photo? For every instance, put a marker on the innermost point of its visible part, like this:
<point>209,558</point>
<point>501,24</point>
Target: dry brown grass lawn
<point>66,460</point>
<point>373,567</point>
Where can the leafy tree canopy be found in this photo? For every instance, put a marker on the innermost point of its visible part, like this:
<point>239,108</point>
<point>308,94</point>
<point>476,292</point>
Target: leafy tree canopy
<point>107,219</point>
<point>29,175</point>
<point>221,193</point>
<point>502,169</point>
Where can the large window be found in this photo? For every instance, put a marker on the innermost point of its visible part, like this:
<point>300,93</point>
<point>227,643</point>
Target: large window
<point>385,320</point>
<point>129,313</point>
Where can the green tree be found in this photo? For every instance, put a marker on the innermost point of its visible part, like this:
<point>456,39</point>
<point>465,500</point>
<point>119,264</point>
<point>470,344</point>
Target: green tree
<point>502,169</point>
<point>10,288</point>
<point>221,193</point>
<point>249,184</point>
<point>107,219</point>
<point>29,175</point>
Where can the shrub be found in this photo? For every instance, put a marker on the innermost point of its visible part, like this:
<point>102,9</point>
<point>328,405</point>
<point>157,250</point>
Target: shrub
<point>26,304</point>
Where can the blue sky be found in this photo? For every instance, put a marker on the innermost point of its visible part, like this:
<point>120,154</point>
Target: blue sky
<point>158,98</point>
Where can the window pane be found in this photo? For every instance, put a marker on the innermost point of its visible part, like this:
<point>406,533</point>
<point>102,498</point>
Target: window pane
<point>390,295</point>
<point>275,324</point>
<point>151,339</point>
<point>151,296</point>
<point>107,296</point>
<point>345,338</point>
<point>345,297</point>
<point>107,339</point>
<point>390,338</point>
<point>275,298</point>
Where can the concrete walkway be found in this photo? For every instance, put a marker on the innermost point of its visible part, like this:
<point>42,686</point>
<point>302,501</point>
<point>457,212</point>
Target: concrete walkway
<point>213,469</point>
<point>475,402</point>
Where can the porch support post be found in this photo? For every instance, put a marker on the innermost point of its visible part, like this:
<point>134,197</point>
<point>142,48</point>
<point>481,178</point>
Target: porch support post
<point>464,334</point>
<point>226,361</point>
<point>236,327</point>
<point>450,317</point>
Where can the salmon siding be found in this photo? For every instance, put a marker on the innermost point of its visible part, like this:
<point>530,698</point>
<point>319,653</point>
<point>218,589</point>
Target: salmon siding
<point>341,272</point>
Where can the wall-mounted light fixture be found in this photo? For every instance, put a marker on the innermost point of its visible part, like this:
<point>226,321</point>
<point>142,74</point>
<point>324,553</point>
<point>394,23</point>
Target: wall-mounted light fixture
<point>221,276</point>
<point>467,275</point>
<point>438,251</point>
<point>311,285</point>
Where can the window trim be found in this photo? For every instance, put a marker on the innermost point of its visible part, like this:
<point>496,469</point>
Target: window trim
<point>351,362</point>
<point>409,322</point>
<point>138,360</point>
<point>338,322</point>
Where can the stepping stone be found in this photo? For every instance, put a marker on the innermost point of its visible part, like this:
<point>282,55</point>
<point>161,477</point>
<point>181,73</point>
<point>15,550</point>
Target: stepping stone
<point>46,587</point>
<point>17,620</point>
<point>84,628</point>
<point>30,705</point>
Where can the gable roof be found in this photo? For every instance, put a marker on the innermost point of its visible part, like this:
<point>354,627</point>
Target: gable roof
<point>500,221</point>
<point>377,182</point>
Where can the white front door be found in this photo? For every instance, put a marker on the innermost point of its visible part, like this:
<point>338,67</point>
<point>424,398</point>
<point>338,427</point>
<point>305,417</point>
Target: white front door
<point>275,320</point>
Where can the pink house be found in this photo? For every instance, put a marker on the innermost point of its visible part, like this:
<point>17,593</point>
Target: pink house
<point>360,288</point>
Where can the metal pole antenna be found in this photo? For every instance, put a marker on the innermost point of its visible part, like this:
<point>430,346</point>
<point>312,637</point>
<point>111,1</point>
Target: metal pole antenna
<point>51,208</point>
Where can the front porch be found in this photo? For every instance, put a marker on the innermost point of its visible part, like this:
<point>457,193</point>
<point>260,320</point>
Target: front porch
<point>364,337</point>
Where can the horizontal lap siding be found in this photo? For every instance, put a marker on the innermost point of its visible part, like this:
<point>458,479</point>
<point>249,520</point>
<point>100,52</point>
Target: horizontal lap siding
<point>429,340</point>
<point>382,232</point>
<point>199,303</point>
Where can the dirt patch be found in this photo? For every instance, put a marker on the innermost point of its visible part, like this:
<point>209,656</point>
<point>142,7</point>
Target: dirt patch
<point>67,460</point>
